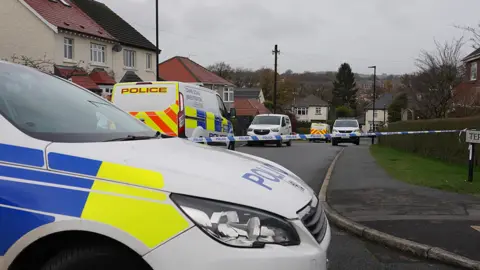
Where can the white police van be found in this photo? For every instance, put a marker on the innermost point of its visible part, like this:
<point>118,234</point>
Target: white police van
<point>84,185</point>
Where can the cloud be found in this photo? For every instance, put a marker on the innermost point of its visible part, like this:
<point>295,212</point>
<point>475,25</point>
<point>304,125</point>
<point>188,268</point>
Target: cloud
<point>312,34</point>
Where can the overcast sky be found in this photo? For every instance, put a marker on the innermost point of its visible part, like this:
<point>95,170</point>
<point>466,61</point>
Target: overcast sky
<point>313,35</point>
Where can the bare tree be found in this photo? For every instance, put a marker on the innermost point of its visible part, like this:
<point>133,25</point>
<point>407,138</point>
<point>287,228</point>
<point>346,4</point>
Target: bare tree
<point>42,64</point>
<point>222,69</point>
<point>439,73</point>
<point>80,68</point>
<point>474,32</point>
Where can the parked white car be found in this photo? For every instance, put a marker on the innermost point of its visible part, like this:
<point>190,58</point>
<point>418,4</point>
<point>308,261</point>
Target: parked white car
<point>272,125</point>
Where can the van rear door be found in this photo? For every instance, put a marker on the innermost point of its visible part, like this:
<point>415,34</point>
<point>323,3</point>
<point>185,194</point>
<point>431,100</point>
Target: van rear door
<point>156,104</point>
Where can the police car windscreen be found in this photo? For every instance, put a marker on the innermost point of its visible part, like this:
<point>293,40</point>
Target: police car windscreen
<point>346,123</point>
<point>145,97</point>
<point>266,120</point>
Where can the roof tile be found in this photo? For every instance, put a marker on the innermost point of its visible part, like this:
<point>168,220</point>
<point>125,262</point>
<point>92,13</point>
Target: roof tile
<point>185,70</point>
<point>174,70</point>
<point>100,76</point>
<point>114,24</point>
<point>84,81</point>
<point>249,107</point>
<point>68,17</point>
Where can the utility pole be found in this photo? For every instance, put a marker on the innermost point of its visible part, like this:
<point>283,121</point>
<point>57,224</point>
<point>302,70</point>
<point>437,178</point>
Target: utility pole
<point>276,52</point>
<point>374,98</point>
<point>157,60</point>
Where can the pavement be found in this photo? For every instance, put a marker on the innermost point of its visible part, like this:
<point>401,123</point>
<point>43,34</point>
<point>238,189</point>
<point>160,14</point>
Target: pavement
<point>310,161</point>
<point>363,192</point>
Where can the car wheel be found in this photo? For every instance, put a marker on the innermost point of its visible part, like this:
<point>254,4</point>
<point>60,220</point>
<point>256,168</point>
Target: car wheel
<point>289,143</point>
<point>93,258</point>
<point>357,142</point>
<point>334,143</point>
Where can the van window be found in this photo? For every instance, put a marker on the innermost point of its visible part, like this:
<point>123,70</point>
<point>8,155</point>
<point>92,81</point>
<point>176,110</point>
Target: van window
<point>284,123</point>
<point>52,109</point>
<point>266,120</point>
<point>221,106</point>
<point>287,120</point>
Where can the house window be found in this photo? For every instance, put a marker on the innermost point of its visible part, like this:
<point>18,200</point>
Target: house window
<point>68,48</point>
<point>97,53</point>
<point>228,94</point>
<point>318,111</point>
<point>375,114</point>
<point>473,71</point>
<point>301,111</point>
<point>149,61</point>
<point>129,58</point>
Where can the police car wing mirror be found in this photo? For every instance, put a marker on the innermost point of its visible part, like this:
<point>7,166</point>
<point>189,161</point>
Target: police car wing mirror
<point>143,120</point>
<point>233,113</point>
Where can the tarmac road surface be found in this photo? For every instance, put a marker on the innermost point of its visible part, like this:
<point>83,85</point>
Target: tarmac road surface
<point>310,161</point>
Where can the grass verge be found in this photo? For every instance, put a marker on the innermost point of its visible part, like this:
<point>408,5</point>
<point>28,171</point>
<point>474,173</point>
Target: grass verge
<point>427,172</point>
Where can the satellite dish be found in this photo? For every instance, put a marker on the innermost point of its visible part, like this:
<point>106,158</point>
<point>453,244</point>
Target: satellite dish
<point>117,48</point>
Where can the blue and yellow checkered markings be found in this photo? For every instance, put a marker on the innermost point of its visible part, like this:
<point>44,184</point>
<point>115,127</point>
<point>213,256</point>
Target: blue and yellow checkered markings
<point>18,223</point>
<point>110,203</point>
<point>21,155</point>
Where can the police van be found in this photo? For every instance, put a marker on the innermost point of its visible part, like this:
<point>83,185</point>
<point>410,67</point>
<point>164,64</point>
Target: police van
<point>80,191</point>
<point>319,129</point>
<point>176,108</point>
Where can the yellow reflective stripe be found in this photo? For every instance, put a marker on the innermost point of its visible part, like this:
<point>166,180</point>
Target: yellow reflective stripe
<point>130,175</point>
<point>143,213</point>
<point>190,111</point>
<point>210,121</point>
<point>128,190</point>
<point>150,222</point>
<point>167,120</point>
<point>224,125</point>
<point>175,108</point>
<point>149,122</point>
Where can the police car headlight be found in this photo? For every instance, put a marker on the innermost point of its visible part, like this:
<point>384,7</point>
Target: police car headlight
<point>275,129</point>
<point>250,129</point>
<point>235,225</point>
<point>335,130</point>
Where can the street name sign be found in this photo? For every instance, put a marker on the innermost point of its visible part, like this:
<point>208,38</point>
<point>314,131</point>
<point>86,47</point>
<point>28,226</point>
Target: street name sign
<point>473,136</point>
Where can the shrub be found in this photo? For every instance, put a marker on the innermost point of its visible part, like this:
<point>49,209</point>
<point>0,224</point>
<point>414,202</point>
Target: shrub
<point>343,111</point>
<point>442,146</point>
<point>303,130</point>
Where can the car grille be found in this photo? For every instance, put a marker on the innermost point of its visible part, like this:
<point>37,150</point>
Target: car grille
<point>261,131</point>
<point>316,221</point>
<point>346,131</point>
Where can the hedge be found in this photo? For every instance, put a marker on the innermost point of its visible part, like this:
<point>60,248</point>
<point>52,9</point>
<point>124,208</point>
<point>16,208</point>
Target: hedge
<point>442,146</point>
<point>303,130</point>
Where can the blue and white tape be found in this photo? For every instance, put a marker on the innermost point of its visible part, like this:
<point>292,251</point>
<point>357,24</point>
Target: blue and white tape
<point>312,136</point>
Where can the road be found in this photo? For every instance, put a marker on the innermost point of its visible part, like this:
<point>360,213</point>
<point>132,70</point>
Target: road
<point>310,161</point>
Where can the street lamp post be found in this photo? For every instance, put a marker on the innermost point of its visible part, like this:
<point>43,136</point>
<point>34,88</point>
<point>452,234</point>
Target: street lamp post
<point>157,58</point>
<point>374,98</point>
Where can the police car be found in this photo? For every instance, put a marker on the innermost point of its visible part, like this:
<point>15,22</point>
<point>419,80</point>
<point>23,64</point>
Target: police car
<point>84,185</point>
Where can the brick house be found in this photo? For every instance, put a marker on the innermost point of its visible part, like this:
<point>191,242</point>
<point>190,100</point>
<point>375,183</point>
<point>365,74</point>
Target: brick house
<point>468,92</point>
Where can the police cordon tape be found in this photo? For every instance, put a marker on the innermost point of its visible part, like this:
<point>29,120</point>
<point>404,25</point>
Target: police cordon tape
<point>312,136</point>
